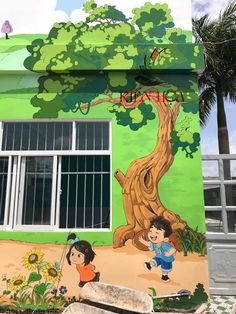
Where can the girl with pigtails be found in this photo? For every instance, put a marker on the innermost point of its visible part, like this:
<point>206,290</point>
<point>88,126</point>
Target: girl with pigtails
<point>81,254</point>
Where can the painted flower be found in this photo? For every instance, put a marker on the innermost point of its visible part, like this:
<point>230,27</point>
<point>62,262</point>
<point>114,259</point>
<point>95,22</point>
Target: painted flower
<point>17,282</point>
<point>63,290</point>
<point>51,273</point>
<point>32,259</point>
<point>54,291</point>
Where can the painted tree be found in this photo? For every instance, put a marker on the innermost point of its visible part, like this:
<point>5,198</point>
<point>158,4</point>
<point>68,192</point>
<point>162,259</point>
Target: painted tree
<point>109,40</point>
<point>6,29</point>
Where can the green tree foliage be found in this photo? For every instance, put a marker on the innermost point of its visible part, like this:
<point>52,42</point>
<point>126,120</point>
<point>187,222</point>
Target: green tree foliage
<point>153,19</point>
<point>107,40</point>
<point>89,6</point>
<point>185,139</point>
<point>106,13</point>
<point>135,118</point>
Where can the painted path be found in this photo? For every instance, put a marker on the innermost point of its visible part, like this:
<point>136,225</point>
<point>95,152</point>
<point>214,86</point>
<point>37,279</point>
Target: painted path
<point>123,266</point>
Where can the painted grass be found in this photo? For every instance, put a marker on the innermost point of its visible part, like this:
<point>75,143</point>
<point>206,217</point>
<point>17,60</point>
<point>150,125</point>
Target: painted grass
<point>17,42</point>
<point>13,107</point>
<point>13,51</point>
<point>95,238</point>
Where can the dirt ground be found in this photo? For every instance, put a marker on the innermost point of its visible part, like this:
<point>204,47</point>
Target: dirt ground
<point>123,266</point>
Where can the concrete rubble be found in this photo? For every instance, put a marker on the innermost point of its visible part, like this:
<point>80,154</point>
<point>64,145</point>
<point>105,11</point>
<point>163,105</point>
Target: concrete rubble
<point>81,308</point>
<point>117,296</point>
<point>101,298</point>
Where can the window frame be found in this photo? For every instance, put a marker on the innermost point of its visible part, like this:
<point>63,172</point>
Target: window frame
<point>57,216</point>
<point>225,235</point>
<point>10,220</point>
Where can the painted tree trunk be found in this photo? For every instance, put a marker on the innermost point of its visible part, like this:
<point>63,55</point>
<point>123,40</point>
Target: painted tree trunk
<point>141,199</point>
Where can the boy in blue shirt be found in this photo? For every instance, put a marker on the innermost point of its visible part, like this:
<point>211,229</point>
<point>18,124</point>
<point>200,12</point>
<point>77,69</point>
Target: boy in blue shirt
<point>158,234</point>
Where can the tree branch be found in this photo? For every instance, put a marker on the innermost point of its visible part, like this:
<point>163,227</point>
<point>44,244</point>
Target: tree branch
<point>150,94</point>
<point>122,100</point>
<point>137,101</point>
<point>98,102</point>
<point>120,177</point>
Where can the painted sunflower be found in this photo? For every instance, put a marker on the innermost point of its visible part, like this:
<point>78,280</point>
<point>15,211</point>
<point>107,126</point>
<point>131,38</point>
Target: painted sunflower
<point>32,259</point>
<point>17,282</point>
<point>51,273</point>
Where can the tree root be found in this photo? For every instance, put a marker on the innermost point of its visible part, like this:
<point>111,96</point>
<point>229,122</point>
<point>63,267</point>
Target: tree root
<point>122,234</point>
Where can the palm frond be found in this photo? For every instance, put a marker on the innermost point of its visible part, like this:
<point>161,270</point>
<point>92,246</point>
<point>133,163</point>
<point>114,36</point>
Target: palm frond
<point>200,26</point>
<point>226,24</point>
<point>232,94</point>
<point>218,37</point>
<point>229,11</point>
<point>207,100</point>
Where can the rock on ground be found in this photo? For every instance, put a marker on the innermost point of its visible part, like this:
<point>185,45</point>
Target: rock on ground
<point>80,308</point>
<point>117,296</point>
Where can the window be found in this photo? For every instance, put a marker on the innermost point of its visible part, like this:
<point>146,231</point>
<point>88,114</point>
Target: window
<point>36,191</point>
<point>219,173</point>
<point>58,177</point>
<point>85,197</point>
<point>92,136</point>
<point>3,187</point>
<point>30,136</point>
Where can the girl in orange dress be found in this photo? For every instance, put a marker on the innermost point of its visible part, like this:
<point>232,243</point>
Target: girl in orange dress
<point>81,254</point>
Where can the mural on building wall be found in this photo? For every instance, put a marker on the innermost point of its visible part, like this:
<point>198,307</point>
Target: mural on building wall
<point>138,72</point>
<point>81,254</point>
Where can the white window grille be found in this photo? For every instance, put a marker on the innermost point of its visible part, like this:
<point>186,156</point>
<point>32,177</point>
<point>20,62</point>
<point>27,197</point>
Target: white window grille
<point>92,136</point>
<point>30,136</point>
<point>219,175</point>
<point>4,162</point>
<point>55,175</point>
<point>36,191</point>
<point>85,197</point>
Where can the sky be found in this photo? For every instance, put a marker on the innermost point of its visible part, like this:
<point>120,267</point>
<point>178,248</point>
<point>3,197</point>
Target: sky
<point>38,16</point>
<point>209,142</point>
<point>212,7</point>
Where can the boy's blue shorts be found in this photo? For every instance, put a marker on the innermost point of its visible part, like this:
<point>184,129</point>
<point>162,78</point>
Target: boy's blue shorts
<point>165,266</point>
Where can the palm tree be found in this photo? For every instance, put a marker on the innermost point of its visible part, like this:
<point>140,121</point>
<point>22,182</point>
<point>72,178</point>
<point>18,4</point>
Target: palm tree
<point>218,80</point>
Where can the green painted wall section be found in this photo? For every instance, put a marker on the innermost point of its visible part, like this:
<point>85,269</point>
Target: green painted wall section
<point>180,189</point>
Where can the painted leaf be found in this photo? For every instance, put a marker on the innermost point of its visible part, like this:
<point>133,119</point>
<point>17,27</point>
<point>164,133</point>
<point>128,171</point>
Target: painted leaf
<point>154,293</point>
<point>40,289</point>
<point>34,277</point>
<point>186,136</point>
<point>49,285</point>
<point>136,116</point>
